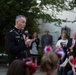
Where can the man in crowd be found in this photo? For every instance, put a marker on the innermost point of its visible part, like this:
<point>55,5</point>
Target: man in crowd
<point>72,44</point>
<point>46,39</point>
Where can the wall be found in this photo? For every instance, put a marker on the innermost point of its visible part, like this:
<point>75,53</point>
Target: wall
<point>55,31</point>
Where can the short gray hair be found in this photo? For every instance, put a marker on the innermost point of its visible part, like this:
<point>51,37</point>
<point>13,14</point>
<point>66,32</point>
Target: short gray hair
<point>19,16</point>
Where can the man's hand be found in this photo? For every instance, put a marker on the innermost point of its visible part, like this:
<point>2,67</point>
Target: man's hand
<point>28,42</point>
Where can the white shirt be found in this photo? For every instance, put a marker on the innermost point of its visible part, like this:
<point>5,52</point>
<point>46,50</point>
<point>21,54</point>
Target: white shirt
<point>73,43</point>
<point>61,41</point>
<point>34,49</point>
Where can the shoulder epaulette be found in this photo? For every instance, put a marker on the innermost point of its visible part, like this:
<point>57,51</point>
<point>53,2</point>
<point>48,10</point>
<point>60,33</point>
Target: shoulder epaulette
<point>11,30</point>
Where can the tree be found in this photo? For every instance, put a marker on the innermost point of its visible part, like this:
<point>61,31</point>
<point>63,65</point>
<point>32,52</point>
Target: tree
<point>33,10</point>
<point>53,7</point>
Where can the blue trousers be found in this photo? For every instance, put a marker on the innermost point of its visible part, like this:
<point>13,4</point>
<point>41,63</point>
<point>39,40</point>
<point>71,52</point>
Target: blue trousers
<point>70,72</point>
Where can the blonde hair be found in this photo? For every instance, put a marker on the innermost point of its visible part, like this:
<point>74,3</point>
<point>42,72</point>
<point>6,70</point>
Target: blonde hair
<point>49,61</point>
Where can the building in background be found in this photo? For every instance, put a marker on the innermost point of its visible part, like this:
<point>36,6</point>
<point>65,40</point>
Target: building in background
<point>56,31</point>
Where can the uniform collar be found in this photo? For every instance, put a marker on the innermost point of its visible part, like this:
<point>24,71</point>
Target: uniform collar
<point>18,30</point>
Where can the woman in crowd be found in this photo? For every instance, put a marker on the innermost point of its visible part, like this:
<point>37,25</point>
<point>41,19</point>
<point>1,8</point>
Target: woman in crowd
<point>34,47</point>
<point>49,64</point>
<point>64,32</point>
<point>62,43</point>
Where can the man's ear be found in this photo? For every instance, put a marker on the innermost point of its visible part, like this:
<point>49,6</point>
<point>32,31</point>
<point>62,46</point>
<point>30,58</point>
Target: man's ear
<point>17,21</point>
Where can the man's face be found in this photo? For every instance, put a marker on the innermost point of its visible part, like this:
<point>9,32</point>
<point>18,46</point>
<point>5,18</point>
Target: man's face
<point>74,35</point>
<point>21,23</point>
<point>46,31</point>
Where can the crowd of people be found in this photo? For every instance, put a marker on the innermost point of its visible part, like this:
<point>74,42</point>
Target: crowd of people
<point>69,47</point>
<point>23,52</point>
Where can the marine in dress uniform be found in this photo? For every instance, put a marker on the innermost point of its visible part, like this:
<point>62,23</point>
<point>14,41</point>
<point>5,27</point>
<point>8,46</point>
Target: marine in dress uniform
<point>16,45</point>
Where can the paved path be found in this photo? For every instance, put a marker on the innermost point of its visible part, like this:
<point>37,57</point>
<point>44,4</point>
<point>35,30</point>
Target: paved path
<point>3,70</point>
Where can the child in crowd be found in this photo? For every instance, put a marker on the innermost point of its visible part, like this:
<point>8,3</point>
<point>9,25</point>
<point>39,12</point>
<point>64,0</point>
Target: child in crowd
<point>19,67</point>
<point>66,66</point>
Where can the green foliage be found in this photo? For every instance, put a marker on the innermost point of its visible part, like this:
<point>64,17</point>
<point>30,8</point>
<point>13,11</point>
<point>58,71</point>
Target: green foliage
<point>33,10</point>
<point>11,8</point>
